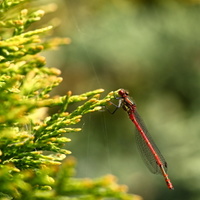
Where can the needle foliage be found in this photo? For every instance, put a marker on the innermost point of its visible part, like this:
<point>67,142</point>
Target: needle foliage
<point>33,163</point>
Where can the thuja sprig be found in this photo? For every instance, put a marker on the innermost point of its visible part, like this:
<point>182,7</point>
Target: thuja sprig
<point>25,84</point>
<point>31,142</point>
<point>25,147</point>
<point>86,188</point>
<point>8,4</point>
<point>54,183</point>
<point>22,21</point>
<point>28,43</point>
<point>60,123</point>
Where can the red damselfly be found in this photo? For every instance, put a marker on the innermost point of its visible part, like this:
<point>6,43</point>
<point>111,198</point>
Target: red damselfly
<point>149,151</point>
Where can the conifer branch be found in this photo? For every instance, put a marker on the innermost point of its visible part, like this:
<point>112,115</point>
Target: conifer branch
<point>31,142</point>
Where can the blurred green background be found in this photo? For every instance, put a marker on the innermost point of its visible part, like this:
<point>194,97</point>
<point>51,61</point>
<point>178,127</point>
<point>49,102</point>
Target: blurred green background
<point>152,49</point>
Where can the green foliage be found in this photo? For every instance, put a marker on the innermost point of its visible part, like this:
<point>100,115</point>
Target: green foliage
<point>31,142</point>
<point>57,183</point>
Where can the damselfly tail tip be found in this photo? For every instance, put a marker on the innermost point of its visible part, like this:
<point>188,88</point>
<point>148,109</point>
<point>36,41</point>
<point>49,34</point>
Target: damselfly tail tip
<point>171,188</point>
<point>169,185</point>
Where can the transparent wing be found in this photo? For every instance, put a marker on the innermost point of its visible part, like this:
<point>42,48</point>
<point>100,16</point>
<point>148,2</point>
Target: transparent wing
<point>144,149</point>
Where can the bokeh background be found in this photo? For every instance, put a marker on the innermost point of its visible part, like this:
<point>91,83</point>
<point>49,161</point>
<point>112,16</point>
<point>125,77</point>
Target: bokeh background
<point>152,49</point>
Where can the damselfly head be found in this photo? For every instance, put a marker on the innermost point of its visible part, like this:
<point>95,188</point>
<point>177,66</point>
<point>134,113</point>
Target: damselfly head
<point>123,92</point>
